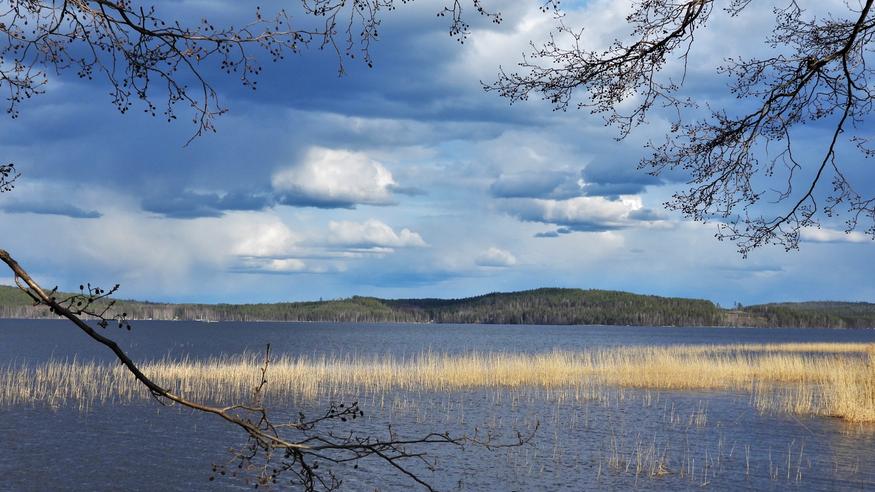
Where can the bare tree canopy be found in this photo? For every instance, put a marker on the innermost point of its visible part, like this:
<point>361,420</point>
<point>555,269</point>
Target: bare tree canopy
<point>162,62</point>
<point>818,74</point>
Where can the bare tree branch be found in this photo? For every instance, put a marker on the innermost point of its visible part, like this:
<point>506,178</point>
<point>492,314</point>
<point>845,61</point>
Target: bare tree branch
<point>820,73</point>
<point>270,450</point>
<point>146,57</point>
<point>8,175</point>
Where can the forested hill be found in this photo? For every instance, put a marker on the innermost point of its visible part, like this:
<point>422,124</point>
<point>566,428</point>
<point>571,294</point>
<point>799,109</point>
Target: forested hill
<point>562,306</point>
<point>540,306</point>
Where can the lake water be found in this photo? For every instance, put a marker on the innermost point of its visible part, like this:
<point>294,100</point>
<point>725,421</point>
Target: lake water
<point>714,440</point>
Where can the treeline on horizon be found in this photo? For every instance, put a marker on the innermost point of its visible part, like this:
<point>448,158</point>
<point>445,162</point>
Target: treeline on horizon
<point>552,306</point>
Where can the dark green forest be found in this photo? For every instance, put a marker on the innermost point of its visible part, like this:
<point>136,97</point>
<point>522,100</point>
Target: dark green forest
<point>539,306</point>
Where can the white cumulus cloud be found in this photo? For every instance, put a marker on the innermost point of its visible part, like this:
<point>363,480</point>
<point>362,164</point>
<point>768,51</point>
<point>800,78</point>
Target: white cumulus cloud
<point>371,234</point>
<point>262,237</point>
<point>330,178</point>
<point>585,213</point>
<point>495,257</point>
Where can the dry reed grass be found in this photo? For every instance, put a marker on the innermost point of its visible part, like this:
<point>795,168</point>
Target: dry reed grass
<point>821,379</point>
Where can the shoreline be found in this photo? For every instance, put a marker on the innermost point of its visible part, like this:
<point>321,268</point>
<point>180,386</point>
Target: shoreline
<point>743,327</point>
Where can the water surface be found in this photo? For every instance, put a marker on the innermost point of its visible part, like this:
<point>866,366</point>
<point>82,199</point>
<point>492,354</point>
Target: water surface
<point>42,339</point>
<point>713,440</point>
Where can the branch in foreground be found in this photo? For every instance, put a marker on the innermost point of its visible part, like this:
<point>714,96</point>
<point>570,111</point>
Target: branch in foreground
<point>272,449</point>
<point>147,57</point>
<point>748,165</point>
<point>8,175</point>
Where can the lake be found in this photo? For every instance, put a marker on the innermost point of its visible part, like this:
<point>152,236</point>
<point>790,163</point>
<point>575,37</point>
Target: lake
<point>707,439</point>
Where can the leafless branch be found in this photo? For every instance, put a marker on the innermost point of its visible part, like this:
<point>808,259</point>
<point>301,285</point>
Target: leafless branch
<point>273,449</point>
<point>8,175</point>
<point>819,73</point>
<point>146,57</point>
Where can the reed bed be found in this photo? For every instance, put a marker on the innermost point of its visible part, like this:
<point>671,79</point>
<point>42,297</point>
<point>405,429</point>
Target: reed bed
<point>820,378</point>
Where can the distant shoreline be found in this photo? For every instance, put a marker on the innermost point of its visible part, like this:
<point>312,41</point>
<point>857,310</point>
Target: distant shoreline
<point>423,323</point>
<point>546,306</point>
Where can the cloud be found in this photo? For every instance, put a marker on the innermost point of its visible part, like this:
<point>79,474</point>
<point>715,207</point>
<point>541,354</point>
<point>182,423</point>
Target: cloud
<point>66,210</point>
<point>270,246</point>
<point>190,204</point>
<point>371,234</point>
<point>328,178</point>
<point>755,268</point>
<point>282,266</point>
<point>561,231</point>
<point>51,197</point>
<point>610,178</point>
<point>646,215</point>
<point>264,239</point>
<point>324,178</point>
<point>407,278</point>
<point>272,265</point>
<point>418,121</point>
<point>547,184</point>
<point>495,257</point>
<point>582,214</point>
<point>826,235</point>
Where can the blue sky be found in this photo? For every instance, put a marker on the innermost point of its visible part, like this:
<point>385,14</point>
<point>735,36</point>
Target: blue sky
<point>404,180</point>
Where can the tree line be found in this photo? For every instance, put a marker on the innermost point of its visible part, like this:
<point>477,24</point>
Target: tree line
<point>551,306</point>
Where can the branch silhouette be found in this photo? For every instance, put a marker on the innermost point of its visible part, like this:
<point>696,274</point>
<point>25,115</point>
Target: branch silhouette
<point>272,448</point>
<point>820,73</point>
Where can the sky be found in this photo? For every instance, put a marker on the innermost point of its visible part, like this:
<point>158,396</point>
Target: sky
<point>401,180</point>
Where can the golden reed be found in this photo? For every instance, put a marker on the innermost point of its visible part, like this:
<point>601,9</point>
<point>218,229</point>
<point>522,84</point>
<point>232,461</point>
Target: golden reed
<point>817,378</point>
